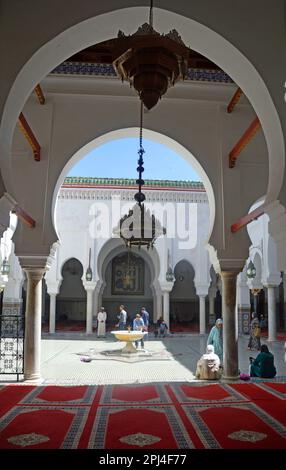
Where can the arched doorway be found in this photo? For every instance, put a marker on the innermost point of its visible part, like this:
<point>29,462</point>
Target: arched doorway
<point>184,305</point>
<point>71,300</point>
<point>128,281</point>
<point>112,251</point>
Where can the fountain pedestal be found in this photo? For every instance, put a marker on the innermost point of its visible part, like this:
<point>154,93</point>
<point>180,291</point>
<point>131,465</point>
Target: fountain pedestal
<point>129,337</point>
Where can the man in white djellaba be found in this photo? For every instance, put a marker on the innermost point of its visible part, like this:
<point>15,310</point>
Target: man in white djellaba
<point>101,322</point>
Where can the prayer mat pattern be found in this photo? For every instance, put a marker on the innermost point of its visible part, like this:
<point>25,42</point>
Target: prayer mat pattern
<point>144,416</point>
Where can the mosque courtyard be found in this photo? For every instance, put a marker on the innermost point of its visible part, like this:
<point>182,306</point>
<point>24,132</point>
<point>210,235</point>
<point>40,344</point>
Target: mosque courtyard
<point>170,359</point>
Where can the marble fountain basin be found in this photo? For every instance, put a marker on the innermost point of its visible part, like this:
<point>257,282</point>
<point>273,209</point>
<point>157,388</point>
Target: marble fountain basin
<point>129,337</point>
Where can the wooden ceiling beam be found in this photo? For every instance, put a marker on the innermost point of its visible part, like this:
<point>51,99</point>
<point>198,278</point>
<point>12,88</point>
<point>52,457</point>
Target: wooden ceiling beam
<point>26,218</point>
<point>243,141</point>
<point>247,219</point>
<point>40,95</point>
<point>28,133</point>
<point>234,100</point>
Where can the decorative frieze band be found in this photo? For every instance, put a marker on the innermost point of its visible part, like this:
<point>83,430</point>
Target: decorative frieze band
<point>127,195</point>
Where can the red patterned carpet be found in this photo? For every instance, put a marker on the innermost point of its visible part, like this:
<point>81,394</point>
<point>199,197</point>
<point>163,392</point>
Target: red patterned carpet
<point>80,326</point>
<point>281,335</point>
<point>148,416</point>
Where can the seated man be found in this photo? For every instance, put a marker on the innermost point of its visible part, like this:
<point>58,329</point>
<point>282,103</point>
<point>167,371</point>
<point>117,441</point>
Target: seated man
<point>163,328</point>
<point>263,365</point>
<point>208,366</point>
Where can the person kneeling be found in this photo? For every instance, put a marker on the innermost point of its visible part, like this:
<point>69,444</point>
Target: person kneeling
<point>263,366</point>
<point>208,366</point>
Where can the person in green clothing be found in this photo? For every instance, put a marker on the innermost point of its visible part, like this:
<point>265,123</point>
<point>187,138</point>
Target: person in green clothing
<point>263,366</point>
<point>215,338</point>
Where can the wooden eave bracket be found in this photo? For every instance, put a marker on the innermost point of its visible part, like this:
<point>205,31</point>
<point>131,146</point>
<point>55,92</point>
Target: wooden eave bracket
<point>26,218</point>
<point>247,219</point>
<point>40,95</point>
<point>28,133</point>
<point>243,141</point>
<point>234,100</point>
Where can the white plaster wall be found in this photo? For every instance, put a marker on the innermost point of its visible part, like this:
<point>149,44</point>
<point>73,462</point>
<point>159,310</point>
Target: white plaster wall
<point>74,218</point>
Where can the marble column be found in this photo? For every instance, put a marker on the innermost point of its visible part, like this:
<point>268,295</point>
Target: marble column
<point>95,302</point>
<point>33,316</point>
<point>52,318</point>
<point>159,310</point>
<point>166,308</point>
<point>211,296</point>
<point>272,329</point>
<point>202,314</point>
<point>89,293</point>
<point>90,287</point>
<point>230,337</point>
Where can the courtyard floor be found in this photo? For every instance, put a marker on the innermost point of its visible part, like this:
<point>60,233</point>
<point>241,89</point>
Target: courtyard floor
<point>172,359</point>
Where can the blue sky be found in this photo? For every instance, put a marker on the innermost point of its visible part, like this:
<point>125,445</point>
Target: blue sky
<point>118,159</point>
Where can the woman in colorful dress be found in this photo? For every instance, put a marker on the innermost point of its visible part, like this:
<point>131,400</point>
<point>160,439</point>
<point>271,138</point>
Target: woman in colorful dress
<point>255,333</point>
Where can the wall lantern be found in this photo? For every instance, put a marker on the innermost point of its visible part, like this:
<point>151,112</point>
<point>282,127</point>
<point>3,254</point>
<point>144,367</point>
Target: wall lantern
<point>88,274</point>
<point>251,270</point>
<point>5,268</point>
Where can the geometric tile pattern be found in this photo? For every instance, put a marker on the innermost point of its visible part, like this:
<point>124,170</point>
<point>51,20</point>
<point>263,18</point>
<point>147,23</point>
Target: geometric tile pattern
<point>78,68</point>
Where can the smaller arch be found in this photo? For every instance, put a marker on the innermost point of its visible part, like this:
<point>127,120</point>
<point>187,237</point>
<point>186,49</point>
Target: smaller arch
<point>71,299</point>
<point>149,134</point>
<point>184,305</point>
<point>137,292</point>
<point>115,246</point>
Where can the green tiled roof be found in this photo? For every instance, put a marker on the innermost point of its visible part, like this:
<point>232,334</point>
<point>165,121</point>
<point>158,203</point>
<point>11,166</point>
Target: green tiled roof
<point>87,181</point>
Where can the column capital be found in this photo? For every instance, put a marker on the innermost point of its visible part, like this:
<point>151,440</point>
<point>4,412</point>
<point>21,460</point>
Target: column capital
<point>167,286</point>
<point>252,284</point>
<point>274,280</point>
<point>231,265</point>
<point>230,273</point>
<point>53,293</point>
<point>89,285</point>
<point>35,274</point>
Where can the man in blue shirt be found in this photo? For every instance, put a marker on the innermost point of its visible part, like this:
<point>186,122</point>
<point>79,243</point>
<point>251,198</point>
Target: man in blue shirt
<point>122,318</point>
<point>138,325</point>
<point>145,317</point>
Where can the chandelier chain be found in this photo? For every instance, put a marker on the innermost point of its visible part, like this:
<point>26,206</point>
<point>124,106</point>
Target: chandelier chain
<point>141,126</point>
<point>151,14</point>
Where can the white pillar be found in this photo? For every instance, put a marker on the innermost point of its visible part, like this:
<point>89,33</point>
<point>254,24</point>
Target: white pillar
<point>52,319</point>
<point>211,304</point>
<point>88,311</point>
<point>202,314</point>
<point>159,311</point>
<point>272,331</point>
<point>89,287</point>
<point>33,316</point>
<point>95,302</point>
<point>166,308</point>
